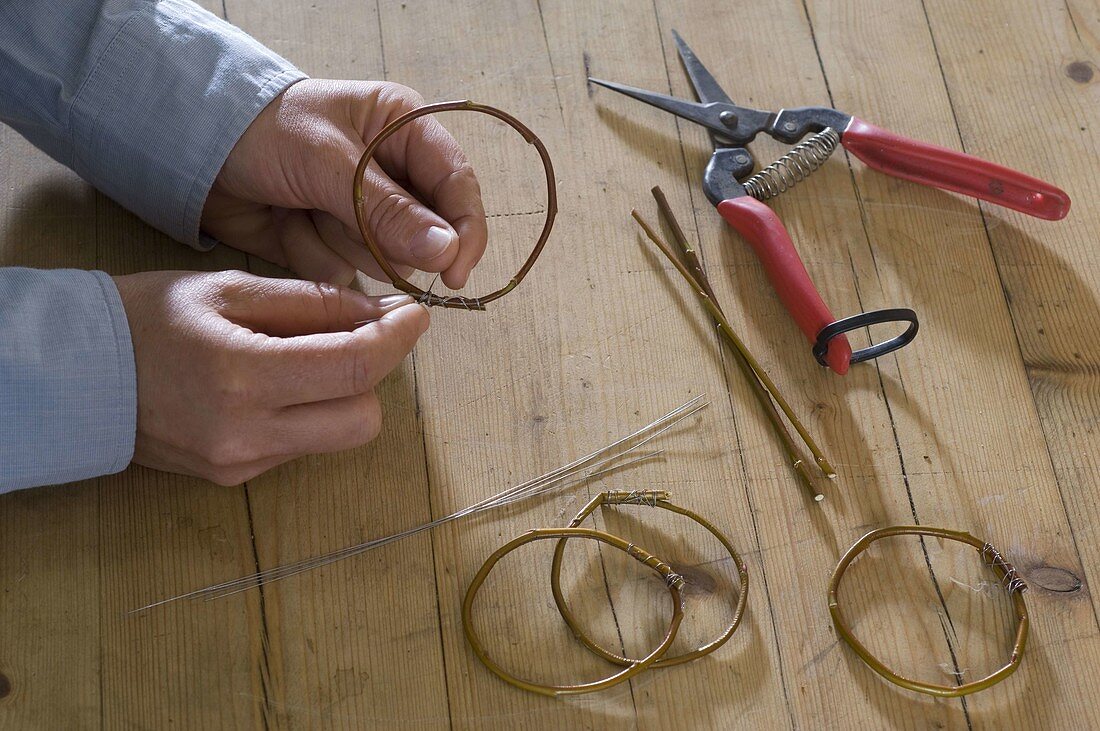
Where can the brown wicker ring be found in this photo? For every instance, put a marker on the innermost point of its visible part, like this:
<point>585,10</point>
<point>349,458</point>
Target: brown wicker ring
<point>1010,580</point>
<point>430,298</point>
<point>657,499</point>
<point>671,578</point>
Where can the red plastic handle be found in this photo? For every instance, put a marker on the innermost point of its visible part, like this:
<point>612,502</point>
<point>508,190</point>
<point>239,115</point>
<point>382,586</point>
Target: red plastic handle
<point>759,225</point>
<point>952,170</point>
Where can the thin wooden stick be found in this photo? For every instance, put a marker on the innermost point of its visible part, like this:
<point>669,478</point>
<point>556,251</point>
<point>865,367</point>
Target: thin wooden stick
<point>696,266</point>
<point>727,331</point>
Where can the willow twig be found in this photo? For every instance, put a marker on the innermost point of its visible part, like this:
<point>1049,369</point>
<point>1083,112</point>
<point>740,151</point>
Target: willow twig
<point>731,337</point>
<point>693,262</point>
<point>991,557</point>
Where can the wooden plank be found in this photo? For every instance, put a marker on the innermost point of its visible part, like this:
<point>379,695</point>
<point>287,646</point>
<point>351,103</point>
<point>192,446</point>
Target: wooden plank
<point>49,582</point>
<point>593,344</point>
<point>358,644</point>
<point>851,415</point>
<point>1049,271</point>
<point>163,534</point>
<point>101,548</point>
<point>990,434</point>
<point>617,157</point>
<point>984,424</point>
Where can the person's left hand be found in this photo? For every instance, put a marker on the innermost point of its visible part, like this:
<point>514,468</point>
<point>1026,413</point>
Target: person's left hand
<point>284,193</point>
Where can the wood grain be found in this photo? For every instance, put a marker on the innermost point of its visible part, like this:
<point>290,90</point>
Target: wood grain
<point>987,423</point>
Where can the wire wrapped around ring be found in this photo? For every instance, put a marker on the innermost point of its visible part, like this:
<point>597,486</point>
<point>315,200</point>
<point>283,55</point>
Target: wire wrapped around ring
<point>656,499</point>
<point>430,298</point>
<point>1010,580</point>
<point>673,580</point>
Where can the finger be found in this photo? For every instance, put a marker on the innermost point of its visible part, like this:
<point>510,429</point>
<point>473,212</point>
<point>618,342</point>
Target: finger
<point>284,308</point>
<point>328,426</point>
<point>435,166</point>
<point>328,366</point>
<point>245,226</point>
<point>235,475</point>
<point>458,199</point>
<point>407,231</point>
<point>225,475</point>
<point>349,245</point>
<point>307,253</point>
<point>428,157</point>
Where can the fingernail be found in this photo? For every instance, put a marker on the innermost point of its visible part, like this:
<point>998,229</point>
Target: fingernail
<point>431,242</point>
<point>393,301</point>
<point>394,315</point>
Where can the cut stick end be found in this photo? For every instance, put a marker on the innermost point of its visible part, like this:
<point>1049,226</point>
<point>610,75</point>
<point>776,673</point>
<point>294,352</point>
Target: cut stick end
<point>819,498</point>
<point>826,467</point>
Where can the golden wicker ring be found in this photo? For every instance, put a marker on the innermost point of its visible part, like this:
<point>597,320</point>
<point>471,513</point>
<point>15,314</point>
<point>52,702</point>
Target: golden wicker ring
<point>430,298</point>
<point>657,499</point>
<point>1010,580</point>
<point>672,579</point>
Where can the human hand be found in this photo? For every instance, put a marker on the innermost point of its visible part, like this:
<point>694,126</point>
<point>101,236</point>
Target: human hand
<point>284,193</point>
<point>237,374</point>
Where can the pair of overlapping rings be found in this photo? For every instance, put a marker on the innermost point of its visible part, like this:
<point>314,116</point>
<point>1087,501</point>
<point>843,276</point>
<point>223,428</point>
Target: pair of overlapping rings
<point>631,667</point>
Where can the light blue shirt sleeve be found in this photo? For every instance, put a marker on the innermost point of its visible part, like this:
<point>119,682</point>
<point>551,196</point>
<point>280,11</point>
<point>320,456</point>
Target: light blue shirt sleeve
<point>144,99</point>
<point>68,396</point>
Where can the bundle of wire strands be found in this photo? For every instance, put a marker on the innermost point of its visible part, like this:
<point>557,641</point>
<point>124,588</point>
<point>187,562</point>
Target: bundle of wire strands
<point>674,581</point>
<point>623,452</point>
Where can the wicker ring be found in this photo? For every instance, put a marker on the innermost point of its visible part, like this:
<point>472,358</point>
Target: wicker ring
<point>1010,580</point>
<point>429,298</point>
<point>657,499</point>
<point>671,578</point>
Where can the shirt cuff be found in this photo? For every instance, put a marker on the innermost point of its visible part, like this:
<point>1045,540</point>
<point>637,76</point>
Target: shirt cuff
<point>68,389</point>
<point>164,105</point>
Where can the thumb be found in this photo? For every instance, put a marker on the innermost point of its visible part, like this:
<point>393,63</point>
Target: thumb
<point>407,231</point>
<point>289,307</point>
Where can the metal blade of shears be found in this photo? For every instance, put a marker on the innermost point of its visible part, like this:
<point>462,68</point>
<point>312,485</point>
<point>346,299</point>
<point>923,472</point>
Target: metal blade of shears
<point>710,116</point>
<point>706,87</point>
<point>741,123</point>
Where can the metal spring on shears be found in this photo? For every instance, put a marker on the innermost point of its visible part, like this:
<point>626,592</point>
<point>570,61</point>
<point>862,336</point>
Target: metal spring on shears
<point>794,167</point>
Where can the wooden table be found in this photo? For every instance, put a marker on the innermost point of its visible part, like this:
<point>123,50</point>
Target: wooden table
<point>988,423</point>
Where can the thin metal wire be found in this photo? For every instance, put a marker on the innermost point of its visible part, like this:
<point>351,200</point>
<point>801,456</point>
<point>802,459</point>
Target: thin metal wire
<point>579,470</point>
<point>1010,577</point>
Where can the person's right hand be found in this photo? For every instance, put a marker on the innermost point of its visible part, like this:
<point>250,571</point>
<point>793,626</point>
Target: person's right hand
<point>284,192</point>
<point>237,374</point>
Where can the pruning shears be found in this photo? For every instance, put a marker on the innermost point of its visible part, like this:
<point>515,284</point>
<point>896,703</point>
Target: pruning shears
<point>730,185</point>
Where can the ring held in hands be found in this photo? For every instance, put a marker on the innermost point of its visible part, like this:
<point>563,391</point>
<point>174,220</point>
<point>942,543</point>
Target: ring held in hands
<point>430,298</point>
